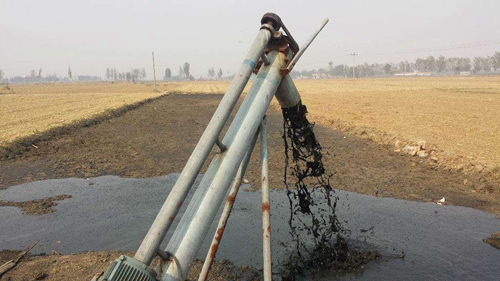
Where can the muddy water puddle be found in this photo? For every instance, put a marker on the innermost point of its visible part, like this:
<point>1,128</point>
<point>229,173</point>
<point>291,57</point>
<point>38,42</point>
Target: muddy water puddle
<point>112,213</point>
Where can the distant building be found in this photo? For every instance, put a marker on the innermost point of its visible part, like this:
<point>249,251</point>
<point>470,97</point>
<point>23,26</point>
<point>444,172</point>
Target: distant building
<point>413,74</point>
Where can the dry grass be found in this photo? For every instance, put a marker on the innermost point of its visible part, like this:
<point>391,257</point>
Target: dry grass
<point>458,115</point>
<point>30,109</point>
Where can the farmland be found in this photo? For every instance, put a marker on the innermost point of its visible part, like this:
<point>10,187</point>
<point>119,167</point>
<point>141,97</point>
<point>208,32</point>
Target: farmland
<point>456,116</point>
<point>459,116</point>
<point>357,123</point>
<point>29,109</point>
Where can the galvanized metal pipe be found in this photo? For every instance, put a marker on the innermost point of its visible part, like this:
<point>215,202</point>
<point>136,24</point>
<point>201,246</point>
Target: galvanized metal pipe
<point>226,212</point>
<point>287,94</point>
<point>266,210</point>
<point>150,244</point>
<point>306,45</point>
<point>265,84</point>
<point>205,183</point>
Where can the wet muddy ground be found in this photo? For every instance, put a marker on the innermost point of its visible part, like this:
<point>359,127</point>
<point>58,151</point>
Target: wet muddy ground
<point>112,213</point>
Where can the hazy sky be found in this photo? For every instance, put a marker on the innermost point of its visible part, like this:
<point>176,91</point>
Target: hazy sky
<point>91,35</point>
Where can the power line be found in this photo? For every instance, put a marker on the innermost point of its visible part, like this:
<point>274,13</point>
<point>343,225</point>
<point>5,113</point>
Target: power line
<point>420,50</point>
<point>442,48</point>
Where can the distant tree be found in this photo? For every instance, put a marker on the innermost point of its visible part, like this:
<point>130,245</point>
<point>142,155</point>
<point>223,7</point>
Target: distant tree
<point>495,61</point>
<point>430,64</point>
<point>387,68</point>
<point>477,66</point>
<point>408,67</point>
<point>40,73</point>
<point>421,65</point>
<point>168,74</point>
<point>441,64</point>
<point>486,63</point>
<point>465,64</point>
<point>143,73</point>
<point>32,73</point>
<point>219,74</point>
<point>181,72</point>
<point>186,69</point>
<point>108,73</point>
<point>295,74</point>
<point>115,74</point>
<point>330,68</point>
<point>338,70</point>
<point>128,75</point>
<point>402,67</point>
<point>2,74</point>
<point>211,73</point>
<point>135,72</point>
<point>70,74</point>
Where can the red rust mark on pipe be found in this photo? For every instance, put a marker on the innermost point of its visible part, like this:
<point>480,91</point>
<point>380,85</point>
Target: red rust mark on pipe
<point>231,199</point>
<point>264,179</point>
<point>268,230</point>
<point>219,234</point>
<point>180,204</point>
<point>265,207</point>
<point>213,251</point>
<point>170,219</point>
<point>215,245</point>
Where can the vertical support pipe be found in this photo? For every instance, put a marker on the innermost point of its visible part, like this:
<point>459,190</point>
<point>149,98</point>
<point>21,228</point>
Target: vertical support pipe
<point>265,84</point>
<point>228,207</point>
<point>266,215</point>
<point>163,221</point>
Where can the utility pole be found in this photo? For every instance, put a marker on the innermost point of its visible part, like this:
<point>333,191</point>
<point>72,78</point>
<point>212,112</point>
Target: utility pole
<point>354,64</point>
<point>154,71</point>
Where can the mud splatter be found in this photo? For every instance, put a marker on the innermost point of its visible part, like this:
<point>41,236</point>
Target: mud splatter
<point>38,206</point>
<point>314,226</point>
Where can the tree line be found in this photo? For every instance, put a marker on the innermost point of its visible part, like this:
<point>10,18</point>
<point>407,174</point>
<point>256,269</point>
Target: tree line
<point>135,74</point>
<point>183,74</point>
<point>429,66</point>
<point>37,77</point>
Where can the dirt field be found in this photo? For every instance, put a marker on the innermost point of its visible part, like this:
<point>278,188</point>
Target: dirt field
<point>457,115</point>
<point>148,142</point>
<point>157,138</point>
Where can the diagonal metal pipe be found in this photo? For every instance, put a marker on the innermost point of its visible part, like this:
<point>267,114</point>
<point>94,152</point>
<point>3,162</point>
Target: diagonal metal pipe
<point>266,84</point>
<point>149,247</point>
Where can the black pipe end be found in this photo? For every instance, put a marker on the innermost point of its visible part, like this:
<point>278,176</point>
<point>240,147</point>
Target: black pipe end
<point>273,18</point>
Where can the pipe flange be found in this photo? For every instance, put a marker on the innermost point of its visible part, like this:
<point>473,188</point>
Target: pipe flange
<point>273,18</point>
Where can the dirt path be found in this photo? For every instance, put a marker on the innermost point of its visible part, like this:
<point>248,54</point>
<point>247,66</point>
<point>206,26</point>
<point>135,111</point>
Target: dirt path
<point>157,139</point>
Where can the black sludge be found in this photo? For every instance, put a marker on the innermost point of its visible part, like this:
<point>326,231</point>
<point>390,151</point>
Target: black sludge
<point>314,226</point>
